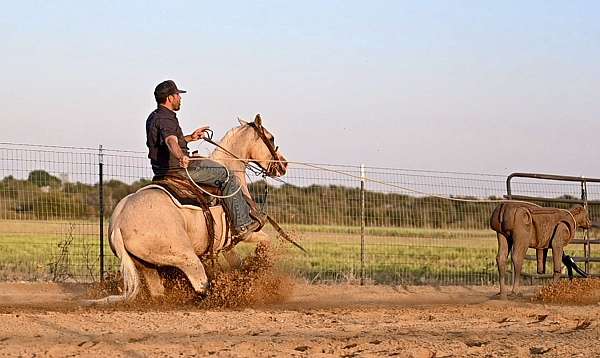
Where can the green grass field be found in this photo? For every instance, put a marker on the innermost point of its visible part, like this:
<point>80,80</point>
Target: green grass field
<point>62,251</point>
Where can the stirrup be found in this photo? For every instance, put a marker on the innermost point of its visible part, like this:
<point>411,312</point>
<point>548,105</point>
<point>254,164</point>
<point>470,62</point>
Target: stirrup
<point>245,231</point>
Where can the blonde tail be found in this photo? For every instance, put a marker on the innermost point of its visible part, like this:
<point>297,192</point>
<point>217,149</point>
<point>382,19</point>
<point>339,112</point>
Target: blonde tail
<point>131,278</point>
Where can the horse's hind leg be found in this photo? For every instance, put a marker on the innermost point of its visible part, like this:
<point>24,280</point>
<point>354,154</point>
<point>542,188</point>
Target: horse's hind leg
<point>501,258</point>
<point>152,279</point>
<point>176,253</point>
<point>194,270</point>
<point>191,266</point>
<point>541,255</point>
<point>518,252</point>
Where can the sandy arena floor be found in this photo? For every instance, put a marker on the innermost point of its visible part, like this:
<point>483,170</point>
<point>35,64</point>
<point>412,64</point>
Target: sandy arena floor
<point>39,319</point>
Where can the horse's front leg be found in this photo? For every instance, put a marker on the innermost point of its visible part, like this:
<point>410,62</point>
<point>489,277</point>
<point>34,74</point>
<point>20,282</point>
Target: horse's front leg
<point>233,258</point>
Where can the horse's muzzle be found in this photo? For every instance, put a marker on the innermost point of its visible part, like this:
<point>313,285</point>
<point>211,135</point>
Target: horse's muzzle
<point>278,168</point>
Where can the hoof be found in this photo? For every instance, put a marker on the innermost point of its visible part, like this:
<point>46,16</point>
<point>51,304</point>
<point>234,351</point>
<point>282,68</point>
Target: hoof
<point>205,290</point>
<point>499,296</point>
<point>88,303</point>
<point>515,295</point>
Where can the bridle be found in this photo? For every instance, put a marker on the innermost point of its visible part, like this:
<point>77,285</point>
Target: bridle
<point>260,130</point>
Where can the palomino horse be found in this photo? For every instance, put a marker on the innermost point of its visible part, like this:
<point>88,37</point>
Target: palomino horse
<point>148,230</point>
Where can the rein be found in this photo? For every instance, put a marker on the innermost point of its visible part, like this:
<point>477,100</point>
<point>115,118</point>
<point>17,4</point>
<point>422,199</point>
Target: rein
<point>257,171</point>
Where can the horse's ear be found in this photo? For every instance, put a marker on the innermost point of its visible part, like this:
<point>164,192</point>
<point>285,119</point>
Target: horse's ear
<point>258,121</point>
<point>242,122</point>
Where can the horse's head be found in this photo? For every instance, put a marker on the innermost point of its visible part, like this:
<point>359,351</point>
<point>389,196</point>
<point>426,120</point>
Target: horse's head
<point>261,147</point>
<point>581,216</point>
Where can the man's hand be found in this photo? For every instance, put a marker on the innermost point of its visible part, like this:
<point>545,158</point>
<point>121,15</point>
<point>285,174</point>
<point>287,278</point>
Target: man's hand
<point>198,133</point>
<point>184,161</point>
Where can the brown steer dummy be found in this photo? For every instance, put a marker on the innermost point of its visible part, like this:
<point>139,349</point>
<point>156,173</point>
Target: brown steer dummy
<point>521,225</point>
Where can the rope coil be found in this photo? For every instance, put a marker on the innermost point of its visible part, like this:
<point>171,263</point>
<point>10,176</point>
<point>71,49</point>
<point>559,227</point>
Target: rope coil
<point>206,192</point>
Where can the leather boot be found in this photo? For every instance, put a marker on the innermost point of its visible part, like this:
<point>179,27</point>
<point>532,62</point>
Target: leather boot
<point>260,217</point>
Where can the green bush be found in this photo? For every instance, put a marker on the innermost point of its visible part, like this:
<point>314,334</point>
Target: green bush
<point>54,205</point>
<point>41,178</point>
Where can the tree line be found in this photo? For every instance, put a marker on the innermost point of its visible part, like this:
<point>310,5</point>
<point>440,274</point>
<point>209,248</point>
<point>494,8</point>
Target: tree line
<point>44,196</point>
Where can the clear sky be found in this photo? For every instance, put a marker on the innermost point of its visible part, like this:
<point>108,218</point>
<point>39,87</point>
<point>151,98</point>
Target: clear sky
<point>470,86</point>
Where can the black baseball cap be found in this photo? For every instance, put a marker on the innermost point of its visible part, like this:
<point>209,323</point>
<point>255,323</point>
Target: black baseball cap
<point>165,89</point>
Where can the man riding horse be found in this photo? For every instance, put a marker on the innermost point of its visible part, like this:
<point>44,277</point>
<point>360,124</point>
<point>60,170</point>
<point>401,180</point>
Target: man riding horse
<point>169,155</point>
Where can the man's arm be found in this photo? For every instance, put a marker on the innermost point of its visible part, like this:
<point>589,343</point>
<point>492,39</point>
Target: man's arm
<point>198,134</point>
<point>174,148</point>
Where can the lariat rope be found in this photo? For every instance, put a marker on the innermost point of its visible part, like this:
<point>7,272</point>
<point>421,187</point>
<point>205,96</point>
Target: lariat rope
<point>367,179</point>
<point>363,178</point>
<point>206,192</point>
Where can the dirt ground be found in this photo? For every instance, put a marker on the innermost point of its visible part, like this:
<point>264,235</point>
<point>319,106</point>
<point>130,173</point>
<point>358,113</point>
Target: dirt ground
<point>41,319</point>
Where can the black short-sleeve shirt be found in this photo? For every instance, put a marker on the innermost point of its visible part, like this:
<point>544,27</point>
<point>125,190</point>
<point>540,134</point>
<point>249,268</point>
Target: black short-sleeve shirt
<point>161,123</point>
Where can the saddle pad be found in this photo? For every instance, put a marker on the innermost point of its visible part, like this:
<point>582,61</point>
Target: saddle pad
<point>175,200</point>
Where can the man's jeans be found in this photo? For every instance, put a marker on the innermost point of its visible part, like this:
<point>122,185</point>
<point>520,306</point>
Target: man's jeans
<point>211,173</point>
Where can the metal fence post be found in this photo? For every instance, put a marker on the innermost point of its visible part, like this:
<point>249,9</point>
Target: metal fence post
<point>587,249</point>
<point>101,209</point>
<point>362,224</point>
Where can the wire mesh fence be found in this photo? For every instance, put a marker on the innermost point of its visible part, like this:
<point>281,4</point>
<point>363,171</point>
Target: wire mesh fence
<point>48,213</point>
<point>380,225</point>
